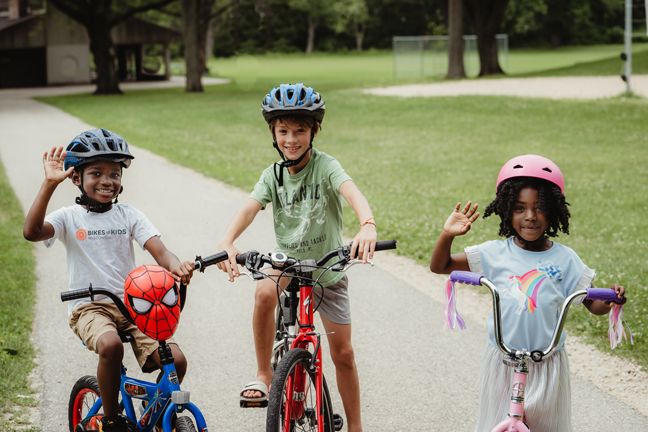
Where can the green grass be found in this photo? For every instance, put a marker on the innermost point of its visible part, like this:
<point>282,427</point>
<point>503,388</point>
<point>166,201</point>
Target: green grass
<point>610,65</point>
<point>16,312</point>
<point>377,67</point>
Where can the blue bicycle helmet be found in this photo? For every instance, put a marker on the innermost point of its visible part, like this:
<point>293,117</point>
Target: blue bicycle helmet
<point>97,144</point>
<point>292,99</point>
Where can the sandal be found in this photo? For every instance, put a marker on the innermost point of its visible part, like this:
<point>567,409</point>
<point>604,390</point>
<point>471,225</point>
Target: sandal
<point>254,402</point>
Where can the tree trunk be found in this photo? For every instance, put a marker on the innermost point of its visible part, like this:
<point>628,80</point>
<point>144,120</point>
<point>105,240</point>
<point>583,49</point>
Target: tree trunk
<point>192,45</point>
<point>103,52</point>
<point>359,32</point>
<point>310,42</point>
<point>487,17</point>
<point>455,40</point>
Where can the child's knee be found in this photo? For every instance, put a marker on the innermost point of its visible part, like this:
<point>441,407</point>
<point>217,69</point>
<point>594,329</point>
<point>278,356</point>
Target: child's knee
<point>110,347</point>
<point>343,357</point>
<point>180,362</point>
<point>265,296</point>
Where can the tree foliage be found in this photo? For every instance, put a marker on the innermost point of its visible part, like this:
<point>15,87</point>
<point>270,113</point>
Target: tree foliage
<point>99,17</point>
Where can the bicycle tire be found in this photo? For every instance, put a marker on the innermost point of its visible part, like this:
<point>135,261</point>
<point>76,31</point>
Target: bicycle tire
<point>185,424</point>
<point>306,418</point>
<point>279,346</point>
<point>78,407</point>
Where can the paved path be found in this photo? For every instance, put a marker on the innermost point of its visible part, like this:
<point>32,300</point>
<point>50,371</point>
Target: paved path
<point>414,374</point>
<point>595,87</point>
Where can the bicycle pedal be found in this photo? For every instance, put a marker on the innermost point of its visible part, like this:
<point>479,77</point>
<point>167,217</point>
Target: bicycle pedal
<point>338,422</point>
<point>254,404</point>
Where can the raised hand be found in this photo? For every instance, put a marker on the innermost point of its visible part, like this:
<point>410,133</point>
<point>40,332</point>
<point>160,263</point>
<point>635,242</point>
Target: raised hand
<point>53,165</point>
<point>460,220</point>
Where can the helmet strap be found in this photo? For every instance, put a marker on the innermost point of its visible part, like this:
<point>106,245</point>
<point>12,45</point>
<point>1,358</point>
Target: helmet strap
<point>94,205</point>
<point>278,167</point>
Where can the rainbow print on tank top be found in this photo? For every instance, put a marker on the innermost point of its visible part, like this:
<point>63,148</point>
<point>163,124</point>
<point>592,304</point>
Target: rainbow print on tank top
<point>529,284</point>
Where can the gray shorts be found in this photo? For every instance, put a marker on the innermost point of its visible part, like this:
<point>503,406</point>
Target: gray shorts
<point>335,305</point>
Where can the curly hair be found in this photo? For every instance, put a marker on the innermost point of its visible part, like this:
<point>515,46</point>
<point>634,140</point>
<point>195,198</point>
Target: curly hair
<point>551,202</point>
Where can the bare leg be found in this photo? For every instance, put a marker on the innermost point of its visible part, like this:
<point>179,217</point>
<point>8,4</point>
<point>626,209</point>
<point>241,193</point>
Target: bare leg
<point>263,327</point>
<point>346,372</point>
<point>179,360</point>
<point>111,353</point>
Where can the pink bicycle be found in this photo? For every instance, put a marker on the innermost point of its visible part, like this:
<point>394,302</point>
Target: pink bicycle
<point>518,359</point>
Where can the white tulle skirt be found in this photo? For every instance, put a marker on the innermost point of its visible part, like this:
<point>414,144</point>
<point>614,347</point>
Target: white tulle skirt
<point>547,398</point>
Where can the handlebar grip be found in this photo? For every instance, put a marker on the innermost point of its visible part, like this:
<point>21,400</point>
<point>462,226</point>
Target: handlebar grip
<point>604,294</point>
<point>385,245</point>
<point>241,258</point>
<point>466,277</point>
<point>216,258</point>
<point>74,295</point>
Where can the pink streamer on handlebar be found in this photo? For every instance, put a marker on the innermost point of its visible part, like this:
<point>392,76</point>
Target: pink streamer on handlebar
<point>617,328</point>
<point>452,317</point>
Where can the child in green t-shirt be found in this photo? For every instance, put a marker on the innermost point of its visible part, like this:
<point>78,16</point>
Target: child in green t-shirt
<point>307,213</point>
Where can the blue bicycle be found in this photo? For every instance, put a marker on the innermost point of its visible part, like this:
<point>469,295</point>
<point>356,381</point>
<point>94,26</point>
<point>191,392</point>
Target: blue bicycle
<point>160,402</point>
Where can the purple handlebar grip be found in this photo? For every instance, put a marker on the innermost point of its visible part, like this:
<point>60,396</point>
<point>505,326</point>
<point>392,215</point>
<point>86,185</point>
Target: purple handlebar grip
<point>604,294</point>
<point>466,277</point>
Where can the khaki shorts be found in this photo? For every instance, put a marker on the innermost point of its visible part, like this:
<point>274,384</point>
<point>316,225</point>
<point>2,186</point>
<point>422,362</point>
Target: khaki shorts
<point>90,321</point>
<point>335,305</point>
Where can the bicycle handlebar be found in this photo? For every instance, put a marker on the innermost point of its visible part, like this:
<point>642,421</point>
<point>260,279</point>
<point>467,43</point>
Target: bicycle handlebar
<point>200,263</point>
<point>471,278</point>
<point>253,260</point>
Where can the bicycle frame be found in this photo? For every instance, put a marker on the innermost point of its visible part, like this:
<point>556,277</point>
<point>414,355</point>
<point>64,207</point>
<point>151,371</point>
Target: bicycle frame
<point>163,399</point>
<point>305,337</point>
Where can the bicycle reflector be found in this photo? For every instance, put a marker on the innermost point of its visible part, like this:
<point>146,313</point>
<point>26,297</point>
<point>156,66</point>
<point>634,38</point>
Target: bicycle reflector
<point>152,299</point>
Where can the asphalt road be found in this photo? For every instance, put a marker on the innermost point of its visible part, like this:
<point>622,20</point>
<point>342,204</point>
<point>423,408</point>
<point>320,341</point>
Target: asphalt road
<point>414,374</point>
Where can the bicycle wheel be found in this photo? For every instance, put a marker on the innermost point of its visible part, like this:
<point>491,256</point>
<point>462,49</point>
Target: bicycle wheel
<point>85,393</point>
<point>293,377</point>
<point>185,424</point>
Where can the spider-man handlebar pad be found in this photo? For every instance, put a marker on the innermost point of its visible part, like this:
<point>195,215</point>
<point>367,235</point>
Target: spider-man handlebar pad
<point>380,245</point>
<point>466,277</point>
<point>604,294</point>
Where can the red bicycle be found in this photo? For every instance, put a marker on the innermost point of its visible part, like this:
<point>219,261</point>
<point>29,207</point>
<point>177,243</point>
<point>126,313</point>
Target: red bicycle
<point>299,399</point>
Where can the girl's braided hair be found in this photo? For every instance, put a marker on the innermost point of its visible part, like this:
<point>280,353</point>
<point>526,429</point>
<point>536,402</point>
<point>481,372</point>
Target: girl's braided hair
<point>551,202</point>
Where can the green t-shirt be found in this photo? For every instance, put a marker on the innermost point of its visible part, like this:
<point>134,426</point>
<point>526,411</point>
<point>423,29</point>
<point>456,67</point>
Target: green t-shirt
<point>307,209</point>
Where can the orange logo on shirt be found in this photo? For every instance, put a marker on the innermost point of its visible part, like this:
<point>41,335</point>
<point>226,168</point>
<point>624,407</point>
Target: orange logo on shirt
<point>81,234</point>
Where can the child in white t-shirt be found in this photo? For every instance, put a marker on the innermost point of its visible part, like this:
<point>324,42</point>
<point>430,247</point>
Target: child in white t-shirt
<point>98,235</point>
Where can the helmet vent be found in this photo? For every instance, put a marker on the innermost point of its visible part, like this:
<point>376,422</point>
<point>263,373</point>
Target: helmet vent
<point>78,147</point>
<point>518,166</point>
<point>111,145</point>
<point>547,169</point>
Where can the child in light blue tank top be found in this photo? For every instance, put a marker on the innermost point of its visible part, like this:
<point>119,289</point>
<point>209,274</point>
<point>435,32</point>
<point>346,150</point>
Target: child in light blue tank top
<point>534,275</point>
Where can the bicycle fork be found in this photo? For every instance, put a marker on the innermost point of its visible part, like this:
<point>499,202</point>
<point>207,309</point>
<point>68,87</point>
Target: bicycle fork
<point>515,420</point>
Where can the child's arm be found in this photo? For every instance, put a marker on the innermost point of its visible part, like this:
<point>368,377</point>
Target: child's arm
<point>599,307</point>
<point>458,223</point>
<point>241,221</point>
<point>364,242</point>
<point>35,228</point>
<point>165,258</point>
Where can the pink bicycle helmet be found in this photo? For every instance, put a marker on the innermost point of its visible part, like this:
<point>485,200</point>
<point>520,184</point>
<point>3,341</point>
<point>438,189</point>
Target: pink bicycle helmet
<point>532,166</point>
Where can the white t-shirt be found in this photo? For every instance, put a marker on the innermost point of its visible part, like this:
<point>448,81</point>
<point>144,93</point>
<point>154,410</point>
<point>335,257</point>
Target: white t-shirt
<point>532,288</point>
<point>99,246</point>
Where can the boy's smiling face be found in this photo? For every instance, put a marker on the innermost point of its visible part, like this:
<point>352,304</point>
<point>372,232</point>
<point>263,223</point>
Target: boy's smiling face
<point>292,138</point>
<point>101,180</point>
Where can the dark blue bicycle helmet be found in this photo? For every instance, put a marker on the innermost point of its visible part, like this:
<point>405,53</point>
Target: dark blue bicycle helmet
<point>97,144</point>
<point>294,100</point>
<point>92,145</point>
